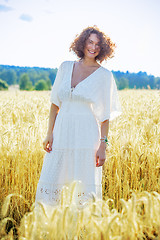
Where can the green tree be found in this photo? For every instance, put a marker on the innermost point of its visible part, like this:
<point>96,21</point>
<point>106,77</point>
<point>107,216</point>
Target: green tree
<point>123,83</point>
<point>157,82</point>
<point>52,74</point>
<point>9,75</point>
<point>41,85</point>
<point>3,85</point>
<point>24,82</point>
<point>49,83</point>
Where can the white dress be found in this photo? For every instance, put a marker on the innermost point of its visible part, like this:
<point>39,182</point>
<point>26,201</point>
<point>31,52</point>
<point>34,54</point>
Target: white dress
<point>76,133</point>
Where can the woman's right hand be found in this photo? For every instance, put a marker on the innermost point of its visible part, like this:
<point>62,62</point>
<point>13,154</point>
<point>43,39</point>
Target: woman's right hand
<point>47,143</point>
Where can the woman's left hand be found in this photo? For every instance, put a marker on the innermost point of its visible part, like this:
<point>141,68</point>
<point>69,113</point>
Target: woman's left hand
<point>101,155</point>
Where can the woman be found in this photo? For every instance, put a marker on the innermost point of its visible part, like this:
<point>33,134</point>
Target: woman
<point>83,100</point>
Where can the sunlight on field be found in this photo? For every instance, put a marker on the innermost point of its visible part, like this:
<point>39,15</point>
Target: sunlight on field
<point>132,164</point>
<point>138,218</point>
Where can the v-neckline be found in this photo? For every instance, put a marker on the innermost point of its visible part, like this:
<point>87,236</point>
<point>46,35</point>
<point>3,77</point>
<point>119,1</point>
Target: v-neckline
<point>83,79</point>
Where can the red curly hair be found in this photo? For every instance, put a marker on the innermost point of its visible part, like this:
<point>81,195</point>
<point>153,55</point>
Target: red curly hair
<point>106,45</point>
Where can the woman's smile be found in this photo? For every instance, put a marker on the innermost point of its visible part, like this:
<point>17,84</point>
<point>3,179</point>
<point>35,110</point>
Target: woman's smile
<point>91,52</point>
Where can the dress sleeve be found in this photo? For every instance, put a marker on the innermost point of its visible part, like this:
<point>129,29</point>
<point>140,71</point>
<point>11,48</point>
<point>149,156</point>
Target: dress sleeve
<point>107,104</point>
<point>54,93</point>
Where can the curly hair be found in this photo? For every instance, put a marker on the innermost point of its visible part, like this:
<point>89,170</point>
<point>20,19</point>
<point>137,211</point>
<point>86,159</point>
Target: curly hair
<point>106,45</point>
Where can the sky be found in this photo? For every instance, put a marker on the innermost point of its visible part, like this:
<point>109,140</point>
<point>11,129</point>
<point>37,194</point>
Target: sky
<point>39,32</point>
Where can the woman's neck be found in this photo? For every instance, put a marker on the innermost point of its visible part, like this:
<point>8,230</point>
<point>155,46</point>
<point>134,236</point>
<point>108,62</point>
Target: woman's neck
<point>88,62</point>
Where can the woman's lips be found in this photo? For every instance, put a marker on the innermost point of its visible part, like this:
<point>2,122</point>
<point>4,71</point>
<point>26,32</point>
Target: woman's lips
<point>91,52</point>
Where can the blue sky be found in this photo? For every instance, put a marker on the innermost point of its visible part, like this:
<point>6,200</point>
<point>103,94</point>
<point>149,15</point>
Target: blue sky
<point>39,32</point>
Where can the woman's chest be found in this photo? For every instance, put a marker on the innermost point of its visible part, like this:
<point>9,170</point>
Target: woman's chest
<point>79,74</point>
<point>84,90</point>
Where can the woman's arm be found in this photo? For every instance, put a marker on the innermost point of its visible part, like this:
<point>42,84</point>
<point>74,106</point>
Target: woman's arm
<point>100,155</point>
<point>47,143</point>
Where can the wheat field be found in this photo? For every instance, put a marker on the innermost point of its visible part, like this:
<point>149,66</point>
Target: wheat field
<point>131,174</point>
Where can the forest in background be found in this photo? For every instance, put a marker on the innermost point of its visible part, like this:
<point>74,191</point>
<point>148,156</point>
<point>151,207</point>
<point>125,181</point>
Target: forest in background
<point>36,78</point>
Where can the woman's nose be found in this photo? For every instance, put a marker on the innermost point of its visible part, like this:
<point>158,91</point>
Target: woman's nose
<point>93,47</point>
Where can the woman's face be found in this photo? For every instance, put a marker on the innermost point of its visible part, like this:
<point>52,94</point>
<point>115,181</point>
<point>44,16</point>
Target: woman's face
<point>92,47</point>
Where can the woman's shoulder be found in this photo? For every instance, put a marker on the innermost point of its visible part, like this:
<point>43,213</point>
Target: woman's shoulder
<point>66,63</point>
<point>106,72</point>
<point>64,66</point>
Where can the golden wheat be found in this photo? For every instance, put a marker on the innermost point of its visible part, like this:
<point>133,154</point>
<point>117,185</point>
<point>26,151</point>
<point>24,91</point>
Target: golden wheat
<point>139,218</point>
<point>133,160</point>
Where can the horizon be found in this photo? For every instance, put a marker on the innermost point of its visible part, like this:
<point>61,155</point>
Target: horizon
<point>56,67</point>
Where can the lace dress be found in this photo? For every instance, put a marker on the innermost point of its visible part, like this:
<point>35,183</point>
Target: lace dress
<point>76,133</point>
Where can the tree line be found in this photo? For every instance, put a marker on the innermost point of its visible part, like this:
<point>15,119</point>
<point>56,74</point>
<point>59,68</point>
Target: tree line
<point>138,80</point>
<point>36,78</point>
<point>28,78</point>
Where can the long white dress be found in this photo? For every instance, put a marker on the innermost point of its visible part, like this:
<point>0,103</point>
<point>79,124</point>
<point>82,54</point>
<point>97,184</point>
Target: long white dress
<point>76,133</point>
